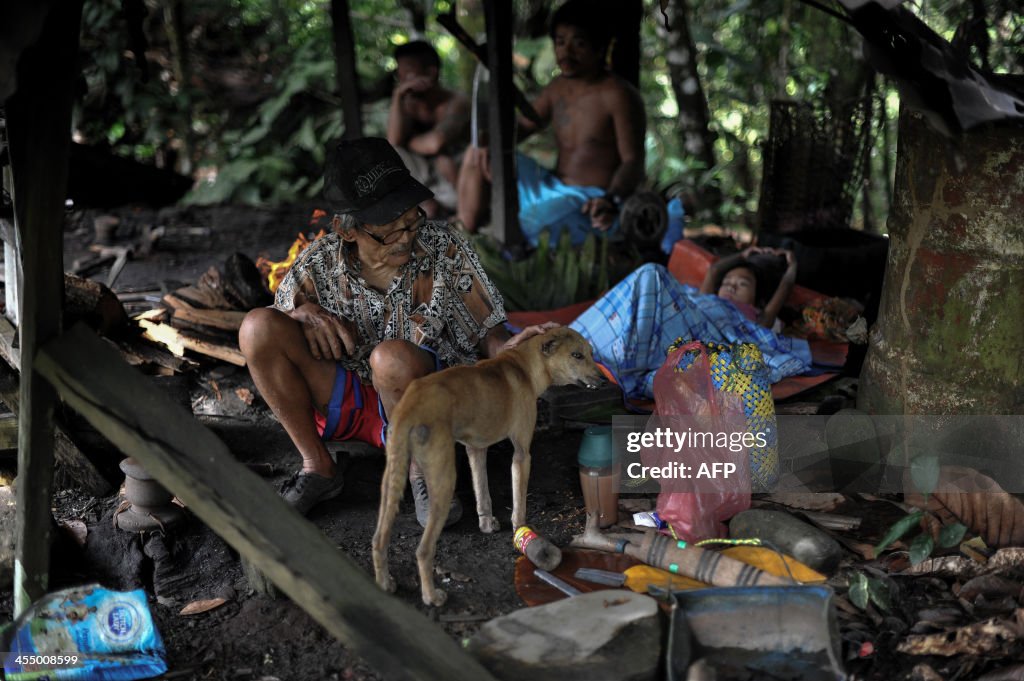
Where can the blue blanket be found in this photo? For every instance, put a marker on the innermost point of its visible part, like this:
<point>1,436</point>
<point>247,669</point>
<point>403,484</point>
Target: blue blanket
<point>545,202</point>
<point>632,326</point>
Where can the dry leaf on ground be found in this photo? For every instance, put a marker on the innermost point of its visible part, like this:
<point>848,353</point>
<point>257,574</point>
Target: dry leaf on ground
<point>197,607</point>
<point>997,636</point>
<point>985,508</point>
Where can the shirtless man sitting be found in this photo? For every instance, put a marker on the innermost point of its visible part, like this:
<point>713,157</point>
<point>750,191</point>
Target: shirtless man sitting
<point>599,125</point>
<point>428,124</point>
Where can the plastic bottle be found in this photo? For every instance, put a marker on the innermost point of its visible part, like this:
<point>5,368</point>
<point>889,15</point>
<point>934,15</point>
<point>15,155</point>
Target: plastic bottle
<point>539,550</point>
<point>674,232</point>
<point>599,476</point>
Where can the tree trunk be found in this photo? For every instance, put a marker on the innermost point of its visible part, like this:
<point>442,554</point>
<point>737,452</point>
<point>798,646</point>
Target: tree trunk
<point>174,23</point>
<point>694,116</point>
<point>345,67</point>
<point>947,339</point>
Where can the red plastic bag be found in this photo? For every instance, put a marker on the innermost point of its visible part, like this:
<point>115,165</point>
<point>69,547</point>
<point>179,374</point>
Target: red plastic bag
<point>690,395</point>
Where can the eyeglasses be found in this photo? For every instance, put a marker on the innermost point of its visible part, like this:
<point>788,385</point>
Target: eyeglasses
<point>394,235</point>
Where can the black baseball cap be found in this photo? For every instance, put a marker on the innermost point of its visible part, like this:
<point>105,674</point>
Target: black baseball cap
<point>366,178</point>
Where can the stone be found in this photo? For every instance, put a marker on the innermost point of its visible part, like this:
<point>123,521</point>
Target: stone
<point>612,635</point>
<point>792,536</point>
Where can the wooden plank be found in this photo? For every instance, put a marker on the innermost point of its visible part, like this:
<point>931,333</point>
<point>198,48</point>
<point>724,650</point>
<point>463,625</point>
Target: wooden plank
<point>177,343</point>
<point>39,129</point>
<point>224,320</point>
<point>140,352</point>
<point>202,297</point>
<point>502,120</point>
<point>190,461</point>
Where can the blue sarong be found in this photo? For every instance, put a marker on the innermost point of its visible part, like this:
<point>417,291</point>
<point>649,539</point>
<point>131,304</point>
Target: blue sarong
<point>545,202</point>
<point>632,326</point>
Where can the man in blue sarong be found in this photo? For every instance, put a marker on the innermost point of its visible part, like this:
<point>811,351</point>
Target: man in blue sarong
<point>598,122</point>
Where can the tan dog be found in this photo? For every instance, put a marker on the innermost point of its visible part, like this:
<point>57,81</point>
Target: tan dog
<point>477,406</point>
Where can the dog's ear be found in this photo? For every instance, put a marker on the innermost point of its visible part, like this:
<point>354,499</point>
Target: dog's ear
<point>549,346</point>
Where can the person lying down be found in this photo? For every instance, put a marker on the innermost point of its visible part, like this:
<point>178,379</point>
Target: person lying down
<point>632,326</point>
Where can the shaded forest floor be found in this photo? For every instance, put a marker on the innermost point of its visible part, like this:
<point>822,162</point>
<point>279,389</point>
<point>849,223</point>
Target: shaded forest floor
<point>253,636</point>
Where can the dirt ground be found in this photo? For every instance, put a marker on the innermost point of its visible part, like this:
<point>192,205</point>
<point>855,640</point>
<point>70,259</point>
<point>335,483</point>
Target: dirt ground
<point>254,636</point>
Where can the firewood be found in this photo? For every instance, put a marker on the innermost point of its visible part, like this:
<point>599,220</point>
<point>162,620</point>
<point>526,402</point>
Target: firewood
<point>224,320</point>
<point>178,342</point>
<point>136,353</point>
<point>93,303</point>
<point>204,298</point>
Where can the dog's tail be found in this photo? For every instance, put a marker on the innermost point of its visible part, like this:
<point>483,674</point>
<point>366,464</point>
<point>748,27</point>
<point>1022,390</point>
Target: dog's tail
<point>392,486</point>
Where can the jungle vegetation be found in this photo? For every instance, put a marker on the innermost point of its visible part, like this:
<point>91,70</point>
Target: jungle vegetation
<point>242,94</point>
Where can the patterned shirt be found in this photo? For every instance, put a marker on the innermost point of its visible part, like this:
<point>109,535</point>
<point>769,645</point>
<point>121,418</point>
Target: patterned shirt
<point>441,298</point>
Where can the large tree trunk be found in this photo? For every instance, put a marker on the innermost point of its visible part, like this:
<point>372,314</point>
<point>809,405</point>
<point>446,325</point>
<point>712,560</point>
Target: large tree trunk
<point>947,339</point>
<point>694,116</point>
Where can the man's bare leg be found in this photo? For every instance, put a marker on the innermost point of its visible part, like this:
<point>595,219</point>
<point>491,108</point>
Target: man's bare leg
<point>290,380</point>
<point>394,365</point>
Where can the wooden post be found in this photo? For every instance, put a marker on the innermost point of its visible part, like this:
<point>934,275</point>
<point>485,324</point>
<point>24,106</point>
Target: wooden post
<point>242,508</point>
<point>345,69</point>
<point>628,16</point>
<point>39,129</point>
<point>502,121</point>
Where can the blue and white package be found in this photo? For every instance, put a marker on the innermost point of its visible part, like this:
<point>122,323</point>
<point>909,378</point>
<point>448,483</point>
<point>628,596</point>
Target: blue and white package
<point>86,633</point>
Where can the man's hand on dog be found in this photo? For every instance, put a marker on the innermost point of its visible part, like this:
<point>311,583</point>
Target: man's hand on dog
<point>329,337</point>
<point>528,332</point>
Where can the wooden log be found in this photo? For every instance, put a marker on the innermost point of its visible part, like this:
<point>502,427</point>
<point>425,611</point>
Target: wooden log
<point>177,343</point>
<point>202,297</point>
<point>39,125</point>
<point>93,303</point>
<point>190,461</point>
<point>138,353</point>
<point>223,320</point>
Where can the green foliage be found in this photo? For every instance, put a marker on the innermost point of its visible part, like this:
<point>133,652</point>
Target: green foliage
<point>924,471</point>
<point>548,278</point>
<point>120,105</point>
<point>257,167</point>
<point>864,590</point>
<point>898,529</point>
<point>261,136</point>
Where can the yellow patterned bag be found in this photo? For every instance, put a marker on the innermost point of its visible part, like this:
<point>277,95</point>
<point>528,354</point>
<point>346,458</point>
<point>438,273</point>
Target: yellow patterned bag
<point>739,369</point>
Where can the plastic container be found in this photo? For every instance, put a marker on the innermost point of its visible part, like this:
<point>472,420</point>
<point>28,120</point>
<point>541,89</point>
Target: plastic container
<point>599,476</point>
<point>537,549</point>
